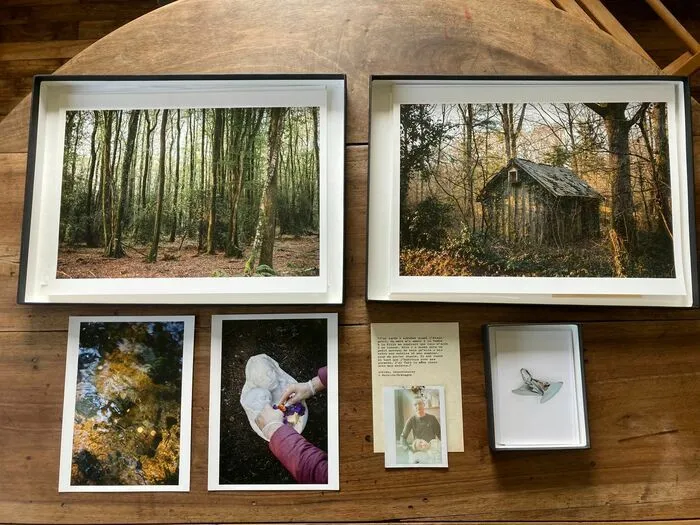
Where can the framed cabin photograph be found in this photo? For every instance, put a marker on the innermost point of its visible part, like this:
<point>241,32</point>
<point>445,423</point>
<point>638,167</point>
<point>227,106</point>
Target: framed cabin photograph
<point>188,189</point>
<point>540,190</point>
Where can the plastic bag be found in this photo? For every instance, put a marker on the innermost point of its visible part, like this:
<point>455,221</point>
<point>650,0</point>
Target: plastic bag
<point>265,382</point>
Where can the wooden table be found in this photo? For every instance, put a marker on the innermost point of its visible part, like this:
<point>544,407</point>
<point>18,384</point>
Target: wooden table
<point>642,365</point>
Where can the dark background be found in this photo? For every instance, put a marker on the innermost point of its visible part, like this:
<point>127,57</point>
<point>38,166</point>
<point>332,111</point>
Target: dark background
<point>300,348</point>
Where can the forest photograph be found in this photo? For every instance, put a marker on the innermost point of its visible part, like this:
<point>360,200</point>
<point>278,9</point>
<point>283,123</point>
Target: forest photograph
<point>127,428</point>
<point>535,190</point>
<point>260,353</point>
<point>185,192</point>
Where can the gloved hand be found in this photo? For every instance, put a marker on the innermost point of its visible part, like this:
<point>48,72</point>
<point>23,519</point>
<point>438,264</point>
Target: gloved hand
<point>296,393</point>
<point>269,421</point>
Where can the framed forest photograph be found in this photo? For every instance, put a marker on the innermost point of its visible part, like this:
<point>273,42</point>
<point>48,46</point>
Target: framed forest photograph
<point>575,190</point>
<point>185,189</point>
<point>127,404</point>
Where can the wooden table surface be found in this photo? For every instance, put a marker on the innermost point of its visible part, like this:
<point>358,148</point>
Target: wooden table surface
<point>642,365</point>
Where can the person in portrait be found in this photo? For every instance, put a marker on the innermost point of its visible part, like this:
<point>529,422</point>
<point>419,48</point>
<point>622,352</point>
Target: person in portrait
<point>421,425</point>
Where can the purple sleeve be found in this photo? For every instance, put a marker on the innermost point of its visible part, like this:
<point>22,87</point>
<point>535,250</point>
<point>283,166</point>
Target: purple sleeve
<point>323,375</point>
<point>305,462</point>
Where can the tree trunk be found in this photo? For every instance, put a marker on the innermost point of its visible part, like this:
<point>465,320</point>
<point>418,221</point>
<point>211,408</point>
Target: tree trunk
<point>106,181</point>
<point>176,212</point>
<point>511,130</point>
<point>78,126</point>
<point>267,246</point>
<point>662,179</point>
<point>70,147</point>
<point>190,193</point>
<point>89,235</point>
<point>200,237</point>
<point>239,123</point>
<point>617,128</point>
<point>118,249</point>
<point>572,138</point>
<point>147,152</point>
<point>216,166</point>
<point>263,245</point>
<point>317,161</point>
<point>153,254</point>
<point>622,201</point>
<point>250,131</point>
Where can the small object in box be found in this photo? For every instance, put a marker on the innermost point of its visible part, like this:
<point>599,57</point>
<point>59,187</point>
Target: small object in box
<point>537,387</point>
<point>553,357</point>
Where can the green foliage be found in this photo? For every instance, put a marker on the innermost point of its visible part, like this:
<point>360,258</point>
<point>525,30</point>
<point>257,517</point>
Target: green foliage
<point>651,258</point>
<point>219,273</point>
<point>143,222</point>
<point>428,224</point>
<point>297,269</point>
<point>233,251</point>
<point>474,248</point>
<point>263,270</point>
<point>422,262</point>
<point>420,138</point>
<point>245,151</point>
<point>559,156</point>
<point>475,253</point>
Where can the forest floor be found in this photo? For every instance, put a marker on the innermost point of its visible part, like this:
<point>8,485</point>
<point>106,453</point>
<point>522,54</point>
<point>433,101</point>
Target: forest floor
<point>293,256</point>
<point>489,257</point>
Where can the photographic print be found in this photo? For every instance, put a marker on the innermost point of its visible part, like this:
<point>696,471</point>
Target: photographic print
<point>185,189</point>
<point>565,191</point>
<point>127,406</point>
<point>536,386</point>
<point>414,418</point>
<point>210,192</point>
<point>273,404</point>
<point>536,190</point>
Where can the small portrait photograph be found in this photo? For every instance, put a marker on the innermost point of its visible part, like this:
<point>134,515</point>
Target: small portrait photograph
<point>127,406</point>
<point>415,427</point>
<point>273,421</point>
<point>537,389</point>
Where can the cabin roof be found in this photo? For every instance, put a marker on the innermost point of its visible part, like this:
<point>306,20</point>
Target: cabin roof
<point>559,181</point>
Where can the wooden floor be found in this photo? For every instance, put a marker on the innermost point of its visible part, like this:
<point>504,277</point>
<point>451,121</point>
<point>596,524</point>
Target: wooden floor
<point>38,36</point>
<point>642,365</point>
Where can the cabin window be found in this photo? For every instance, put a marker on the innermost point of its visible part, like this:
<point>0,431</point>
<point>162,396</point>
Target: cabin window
<point>513,176</point>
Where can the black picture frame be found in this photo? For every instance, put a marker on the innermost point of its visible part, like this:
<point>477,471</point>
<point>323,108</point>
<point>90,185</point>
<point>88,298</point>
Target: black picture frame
<point>329,91</point>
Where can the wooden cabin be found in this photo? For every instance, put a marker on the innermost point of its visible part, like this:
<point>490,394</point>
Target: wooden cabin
<point>540,204</point>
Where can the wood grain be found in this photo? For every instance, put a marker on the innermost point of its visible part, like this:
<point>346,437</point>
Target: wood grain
<point>643,460</point>
<point>24,21</point>
<point>356,38</point>
<point>642,365</point>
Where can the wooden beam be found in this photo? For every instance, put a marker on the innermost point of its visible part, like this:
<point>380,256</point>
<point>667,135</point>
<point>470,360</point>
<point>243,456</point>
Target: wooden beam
<point>605,19</point>
<point>675,26</point>
<point>684,65</point>
<point>45,50</point>
<point>570,6</point>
